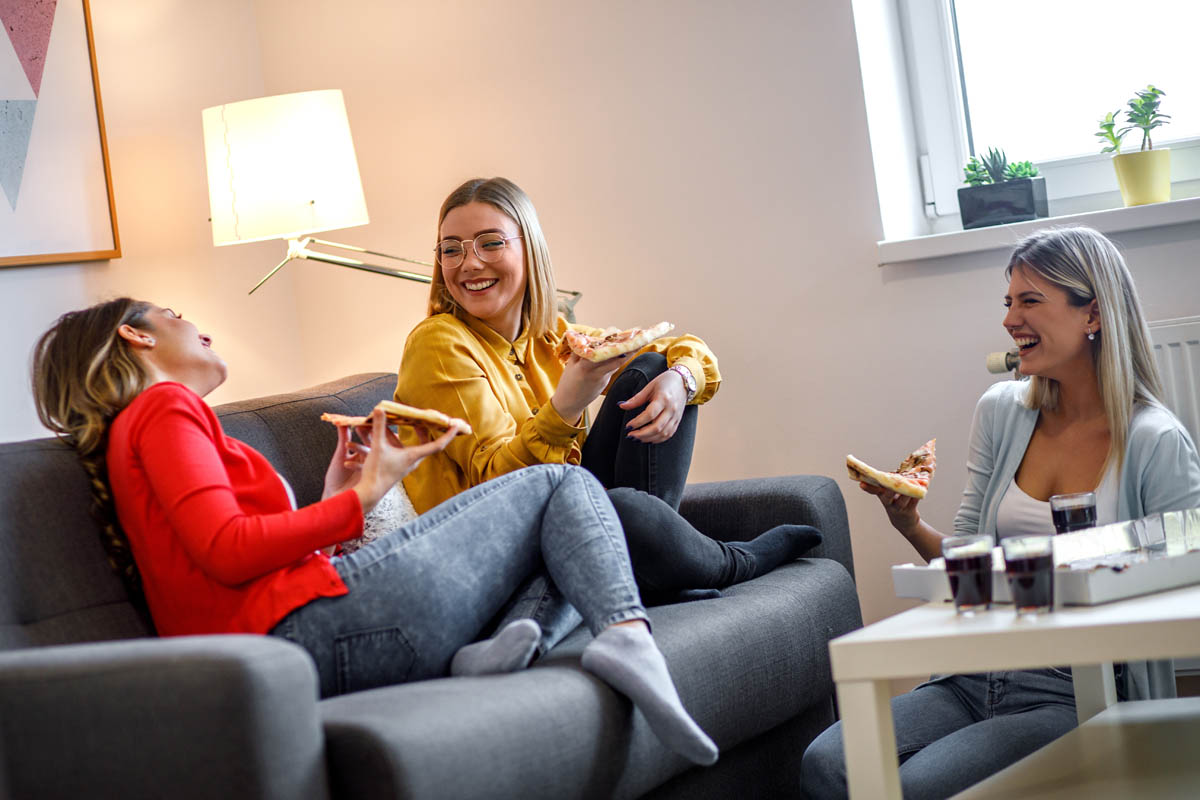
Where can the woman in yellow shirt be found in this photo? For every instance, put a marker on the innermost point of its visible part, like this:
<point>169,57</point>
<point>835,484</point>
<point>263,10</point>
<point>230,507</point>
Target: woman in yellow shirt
<point>487,354</point>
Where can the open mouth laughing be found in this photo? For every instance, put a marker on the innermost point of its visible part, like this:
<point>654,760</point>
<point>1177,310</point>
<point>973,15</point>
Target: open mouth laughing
<point>1026,343</point>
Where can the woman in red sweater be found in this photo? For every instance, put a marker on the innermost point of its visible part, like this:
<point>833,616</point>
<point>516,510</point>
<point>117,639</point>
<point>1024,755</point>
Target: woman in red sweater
<point>208,530</point>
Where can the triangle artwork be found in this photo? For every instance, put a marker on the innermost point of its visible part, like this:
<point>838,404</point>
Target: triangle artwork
<point>27,24</point>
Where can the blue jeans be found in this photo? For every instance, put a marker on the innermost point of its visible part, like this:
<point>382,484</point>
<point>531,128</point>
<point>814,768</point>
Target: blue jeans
<point>956,730</point>
<point>431,587</point>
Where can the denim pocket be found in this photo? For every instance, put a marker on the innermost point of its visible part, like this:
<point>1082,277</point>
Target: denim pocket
<point>371,658</point>
<point>1060,672</point>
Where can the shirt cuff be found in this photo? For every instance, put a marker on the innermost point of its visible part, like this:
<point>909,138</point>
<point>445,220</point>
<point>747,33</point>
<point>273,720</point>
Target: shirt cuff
<point>553,428</point>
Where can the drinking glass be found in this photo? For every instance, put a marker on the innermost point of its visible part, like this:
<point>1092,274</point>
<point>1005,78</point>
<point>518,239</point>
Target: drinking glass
<point>1073,512</point>
<point>969,567</point>
<point>1029,565</point>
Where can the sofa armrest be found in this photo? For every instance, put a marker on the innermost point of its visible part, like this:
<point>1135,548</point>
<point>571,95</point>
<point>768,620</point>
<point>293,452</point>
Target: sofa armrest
<point>198,716</point>
<point>741,509</point>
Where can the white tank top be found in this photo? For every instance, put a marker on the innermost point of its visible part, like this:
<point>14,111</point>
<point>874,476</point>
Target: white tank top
<point>1021,515</point>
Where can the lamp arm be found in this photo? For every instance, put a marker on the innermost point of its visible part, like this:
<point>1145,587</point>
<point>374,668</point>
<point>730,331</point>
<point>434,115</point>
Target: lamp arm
<point>298,248</point>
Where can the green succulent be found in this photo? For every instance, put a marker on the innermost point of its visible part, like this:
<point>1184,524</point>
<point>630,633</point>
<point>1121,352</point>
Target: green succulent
<point>974,174</point>
<point>1143,113</point>
<point>996,163</point>
<point>1020,169</point>
<point>1107,134</point>
<point>993,167</point>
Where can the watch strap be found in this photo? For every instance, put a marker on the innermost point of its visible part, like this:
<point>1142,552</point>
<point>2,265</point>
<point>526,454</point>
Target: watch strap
<point>689,380</point>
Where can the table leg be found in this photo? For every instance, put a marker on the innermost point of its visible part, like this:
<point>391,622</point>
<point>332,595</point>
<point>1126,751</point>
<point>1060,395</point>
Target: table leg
<point>1095,689</point>
<point>872,769</point>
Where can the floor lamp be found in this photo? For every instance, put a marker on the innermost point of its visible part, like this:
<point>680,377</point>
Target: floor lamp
<point>283,167</point>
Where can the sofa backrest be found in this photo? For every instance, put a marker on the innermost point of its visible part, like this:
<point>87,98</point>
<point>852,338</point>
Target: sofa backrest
<point>55,583</point>
<point>287,428</point>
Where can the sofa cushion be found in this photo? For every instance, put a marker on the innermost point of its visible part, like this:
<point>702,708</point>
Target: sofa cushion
<point>55,583</point>
<point>744,663</point>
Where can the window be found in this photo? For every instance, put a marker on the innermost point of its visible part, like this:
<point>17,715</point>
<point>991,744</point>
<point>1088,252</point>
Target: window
<point>1034,77</point>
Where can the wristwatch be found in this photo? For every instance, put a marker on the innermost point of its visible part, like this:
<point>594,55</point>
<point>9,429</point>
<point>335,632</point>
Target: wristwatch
<point>689,381</point>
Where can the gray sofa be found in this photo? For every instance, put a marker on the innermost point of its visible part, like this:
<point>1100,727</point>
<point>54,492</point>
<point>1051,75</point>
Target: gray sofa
<point>91,705</point>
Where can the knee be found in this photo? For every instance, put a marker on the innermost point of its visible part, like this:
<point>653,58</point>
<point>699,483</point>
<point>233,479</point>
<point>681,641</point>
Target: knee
<point>641,371</point>
<point>823,766</point>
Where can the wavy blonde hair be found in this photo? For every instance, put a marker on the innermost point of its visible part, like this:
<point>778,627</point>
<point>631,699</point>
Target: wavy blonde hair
<point>84,374</point>
<point>1087,266</point>
<point>539,310</point>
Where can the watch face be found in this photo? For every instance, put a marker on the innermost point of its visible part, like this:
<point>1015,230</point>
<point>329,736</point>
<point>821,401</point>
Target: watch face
<point>689,380</point>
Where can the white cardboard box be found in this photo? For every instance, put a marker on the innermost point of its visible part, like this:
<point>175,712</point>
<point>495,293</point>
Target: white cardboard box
<point>1159,552</point>
<point>1071,587</point>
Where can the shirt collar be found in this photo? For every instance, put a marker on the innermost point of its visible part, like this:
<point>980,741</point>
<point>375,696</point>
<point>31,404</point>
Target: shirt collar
<point>518,349</point>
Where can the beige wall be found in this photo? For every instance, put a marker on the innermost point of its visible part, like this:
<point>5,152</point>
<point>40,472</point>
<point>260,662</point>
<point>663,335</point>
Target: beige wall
<point>159,64</point>
<point>700,162</point>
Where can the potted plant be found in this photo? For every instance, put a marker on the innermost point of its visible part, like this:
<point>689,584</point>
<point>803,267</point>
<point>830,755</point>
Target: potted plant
<point>1144,176</point>
<point>998,192</point>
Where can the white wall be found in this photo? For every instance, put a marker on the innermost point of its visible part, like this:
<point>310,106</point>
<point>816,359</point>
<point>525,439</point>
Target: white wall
<point>159,64</point>
<point>703,163</point>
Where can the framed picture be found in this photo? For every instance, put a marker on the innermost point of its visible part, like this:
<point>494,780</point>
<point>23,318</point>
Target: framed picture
<point>56,197</point>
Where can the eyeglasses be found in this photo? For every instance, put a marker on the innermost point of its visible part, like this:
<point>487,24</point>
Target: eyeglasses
<point>488,247</point>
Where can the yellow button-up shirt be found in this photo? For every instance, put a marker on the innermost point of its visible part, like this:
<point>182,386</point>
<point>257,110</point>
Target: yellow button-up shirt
<point>463,368</point>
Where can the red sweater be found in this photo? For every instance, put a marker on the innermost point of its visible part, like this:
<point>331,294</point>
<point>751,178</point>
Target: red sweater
<point>210,524</point>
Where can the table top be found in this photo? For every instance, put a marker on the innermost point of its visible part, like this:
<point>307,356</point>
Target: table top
<point>1140,749</point>
<point>932,638</point>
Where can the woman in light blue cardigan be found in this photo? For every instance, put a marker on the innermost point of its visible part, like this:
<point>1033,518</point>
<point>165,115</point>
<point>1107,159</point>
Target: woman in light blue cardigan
<point>1088,419</point>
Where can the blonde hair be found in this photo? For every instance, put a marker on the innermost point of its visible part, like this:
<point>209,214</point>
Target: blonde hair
<point>84,374</point>
<point>539,310</point>
<point>1087,266</point>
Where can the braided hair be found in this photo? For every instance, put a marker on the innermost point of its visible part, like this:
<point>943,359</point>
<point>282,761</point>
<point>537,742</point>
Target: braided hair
<point>84,374</point>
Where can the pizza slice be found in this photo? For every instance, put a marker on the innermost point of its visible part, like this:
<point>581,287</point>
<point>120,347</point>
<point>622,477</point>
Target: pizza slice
<point>400,414</point>
<point>611,343</point>
<point>911,478</point>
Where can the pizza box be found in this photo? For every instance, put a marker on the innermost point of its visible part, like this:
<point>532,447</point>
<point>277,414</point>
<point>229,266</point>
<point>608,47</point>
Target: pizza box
<point>1093,566</point>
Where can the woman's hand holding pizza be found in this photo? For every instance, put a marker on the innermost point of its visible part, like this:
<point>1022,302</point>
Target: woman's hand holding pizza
<point>582,382</point>
<point>664,399</point>
<point>374,465</point>
<point>901,510</point>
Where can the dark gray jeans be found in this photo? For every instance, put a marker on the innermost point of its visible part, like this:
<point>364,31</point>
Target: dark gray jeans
<point>955,730</point>
<point>431,587</point>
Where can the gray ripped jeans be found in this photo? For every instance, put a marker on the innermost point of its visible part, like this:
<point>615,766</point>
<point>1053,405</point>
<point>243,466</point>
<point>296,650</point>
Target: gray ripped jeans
<point>431,587</point>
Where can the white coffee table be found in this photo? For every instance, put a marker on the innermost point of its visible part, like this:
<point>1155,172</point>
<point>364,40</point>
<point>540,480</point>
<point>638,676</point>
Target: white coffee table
<point>933,639</point>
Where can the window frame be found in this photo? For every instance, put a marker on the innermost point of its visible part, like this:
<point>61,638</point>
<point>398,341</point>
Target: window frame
<point>939,115</point>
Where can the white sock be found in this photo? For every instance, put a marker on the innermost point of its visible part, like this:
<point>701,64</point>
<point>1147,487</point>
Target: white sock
<point>508,651</point>
<point>627,659</point>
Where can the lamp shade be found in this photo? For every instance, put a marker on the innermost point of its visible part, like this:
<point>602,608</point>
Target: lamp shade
<point>281,167</point>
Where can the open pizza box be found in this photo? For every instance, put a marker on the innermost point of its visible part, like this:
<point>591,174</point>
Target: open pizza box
<point>1092,566</point>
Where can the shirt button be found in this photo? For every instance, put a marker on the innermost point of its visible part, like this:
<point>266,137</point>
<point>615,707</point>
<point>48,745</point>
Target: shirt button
<point>519,376</point>
<point>534,411</point>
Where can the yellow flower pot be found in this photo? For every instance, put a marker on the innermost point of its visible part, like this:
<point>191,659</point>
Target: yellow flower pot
<point>1144,176</point>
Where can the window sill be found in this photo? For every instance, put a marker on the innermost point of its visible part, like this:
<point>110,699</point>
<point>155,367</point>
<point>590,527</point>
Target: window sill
<point>1004,237</point>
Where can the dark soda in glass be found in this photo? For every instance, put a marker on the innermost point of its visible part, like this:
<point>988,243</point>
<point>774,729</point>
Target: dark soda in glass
<point>1031,581</point>
<point>1073,519</point>
<point>970,581</point>
<point>1073,512</point>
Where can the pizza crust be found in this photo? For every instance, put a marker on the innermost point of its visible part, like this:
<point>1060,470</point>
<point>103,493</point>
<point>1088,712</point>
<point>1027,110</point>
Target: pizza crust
<point>611,343</point>
<point>401,414</point>
<point>911,479</point>
<point>861,471</point>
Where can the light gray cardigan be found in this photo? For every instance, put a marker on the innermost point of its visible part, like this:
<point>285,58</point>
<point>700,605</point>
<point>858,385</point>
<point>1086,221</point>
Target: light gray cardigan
<point>1161,472</point>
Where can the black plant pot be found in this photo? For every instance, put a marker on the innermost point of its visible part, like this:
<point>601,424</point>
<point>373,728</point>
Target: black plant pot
<point>999,203</point>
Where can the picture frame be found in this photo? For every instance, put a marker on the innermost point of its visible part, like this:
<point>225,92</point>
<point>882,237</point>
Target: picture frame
<point>56,192</point>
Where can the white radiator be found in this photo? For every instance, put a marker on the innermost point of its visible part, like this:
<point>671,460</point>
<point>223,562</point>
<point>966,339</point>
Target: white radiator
<point>1177,351</point>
